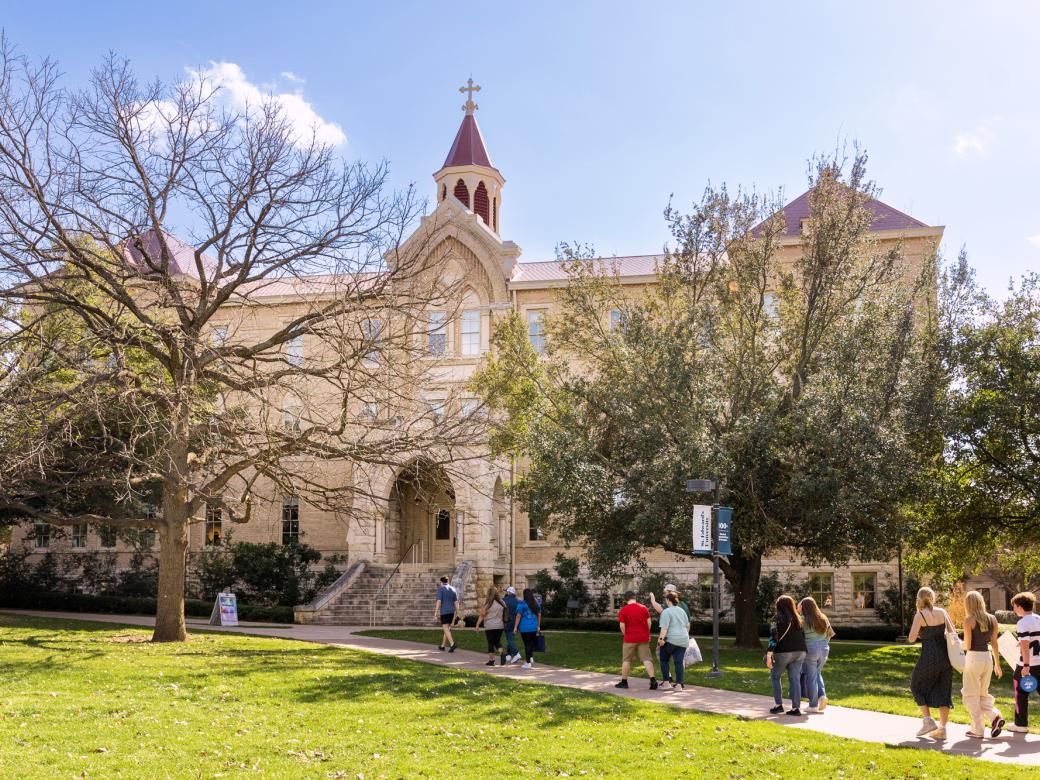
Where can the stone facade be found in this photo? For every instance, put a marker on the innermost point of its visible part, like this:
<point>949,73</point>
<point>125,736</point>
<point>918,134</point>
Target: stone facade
<point>469,517</point>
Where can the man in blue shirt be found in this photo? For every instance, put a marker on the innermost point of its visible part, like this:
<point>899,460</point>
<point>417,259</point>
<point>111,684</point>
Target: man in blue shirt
<point>510,600</point>
<point>447,612</point>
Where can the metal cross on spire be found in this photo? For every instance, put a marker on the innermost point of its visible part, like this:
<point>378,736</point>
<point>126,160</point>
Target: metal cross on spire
<point>470,88</point>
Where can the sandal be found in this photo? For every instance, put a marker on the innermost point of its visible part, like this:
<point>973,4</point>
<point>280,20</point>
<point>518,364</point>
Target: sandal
<point>973,735</point>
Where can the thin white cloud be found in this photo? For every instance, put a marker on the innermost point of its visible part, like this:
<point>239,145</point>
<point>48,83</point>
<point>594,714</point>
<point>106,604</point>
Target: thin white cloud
<point>973,142</point>
<point>1034,240</point>
<point>243,94</point>
<point>288,75</point>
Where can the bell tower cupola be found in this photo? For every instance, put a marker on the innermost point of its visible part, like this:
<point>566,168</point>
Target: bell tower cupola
<point>467,174</point>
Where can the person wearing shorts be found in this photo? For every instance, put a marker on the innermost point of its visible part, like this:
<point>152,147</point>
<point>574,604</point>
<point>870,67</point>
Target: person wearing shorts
<point>634,622</point>
<point>446,611</point>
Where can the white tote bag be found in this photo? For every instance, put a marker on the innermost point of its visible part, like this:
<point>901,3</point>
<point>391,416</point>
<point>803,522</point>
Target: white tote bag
<point>693,654</point>
<point>955,649</point>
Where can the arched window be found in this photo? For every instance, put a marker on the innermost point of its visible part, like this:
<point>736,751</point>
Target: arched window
<point>462,193</point>
<point>444,191</point>
<point>481,204</point>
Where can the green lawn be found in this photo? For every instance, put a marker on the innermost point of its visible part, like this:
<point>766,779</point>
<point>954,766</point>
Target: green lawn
<point>98,701</point>
<point>868,676</point>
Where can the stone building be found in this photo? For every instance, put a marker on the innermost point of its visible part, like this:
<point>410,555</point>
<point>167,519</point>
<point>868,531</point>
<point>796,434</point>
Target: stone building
<point>415,527</point>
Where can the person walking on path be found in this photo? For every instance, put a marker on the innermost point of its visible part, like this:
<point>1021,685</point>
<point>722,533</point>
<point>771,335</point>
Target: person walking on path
<point>981,661</point>
<point>528,622</point>
<point>492,615</point>
<point>634,622</point>
<point>673,640</point>
<point>511,602</point>
<point>786,651</point>
<point>818,634</point>
<point>446,611</point>
<point>932,680</point>
<point>1027,631</point>
<point>659,608</point>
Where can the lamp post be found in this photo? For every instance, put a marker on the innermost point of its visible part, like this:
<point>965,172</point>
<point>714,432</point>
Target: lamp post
<point>707,486</point>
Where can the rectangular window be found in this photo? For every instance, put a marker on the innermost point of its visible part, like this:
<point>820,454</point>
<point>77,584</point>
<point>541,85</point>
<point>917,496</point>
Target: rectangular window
<point>79,536</point>
<point>220,335</point>
<point>214,526</point>
<point>863,585</point>
<point>369,410</point>
<point>442,527</point>
<point>146,538</point>
<point>535,330</point>
<point>769,305</point>
<point>617,319</point>
<point>470,331</point>
<point>534,533</point>
<point>985,593</point>
<point>471,407</point>
<point>41,535</point>
<point>291,416</point>
<point>291,520</point>
<point>704,582</point>
<point>373,334</point>
<point>437,408</point>
<point>821,588</point>
<point>437,336</point>
<point>294,351</point>
<point>107,535</point>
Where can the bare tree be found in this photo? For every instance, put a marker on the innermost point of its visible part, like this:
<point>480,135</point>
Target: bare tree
<point>276,350</point>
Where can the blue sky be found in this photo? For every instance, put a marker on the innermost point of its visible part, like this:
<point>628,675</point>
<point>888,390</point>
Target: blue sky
<point>596,112</point>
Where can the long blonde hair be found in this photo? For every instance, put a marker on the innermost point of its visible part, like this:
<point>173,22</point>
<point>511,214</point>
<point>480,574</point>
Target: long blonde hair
<point>976,607</point>
<point>813,615</point>
<point>926,598</point>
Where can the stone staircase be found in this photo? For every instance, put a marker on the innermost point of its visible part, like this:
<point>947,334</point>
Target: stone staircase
<point>408,599</point>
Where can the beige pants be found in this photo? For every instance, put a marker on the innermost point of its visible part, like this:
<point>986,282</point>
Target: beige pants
<point>978,667</point>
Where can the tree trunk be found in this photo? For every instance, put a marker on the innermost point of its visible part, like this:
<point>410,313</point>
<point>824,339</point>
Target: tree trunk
<point>169,612</point>
<point>743,575</point>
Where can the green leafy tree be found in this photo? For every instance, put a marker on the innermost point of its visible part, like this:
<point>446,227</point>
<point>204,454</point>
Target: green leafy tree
<point>792,373</point>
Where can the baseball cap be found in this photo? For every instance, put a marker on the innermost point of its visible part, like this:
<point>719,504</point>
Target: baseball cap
<point>511,589</point>
<point>670,588</point>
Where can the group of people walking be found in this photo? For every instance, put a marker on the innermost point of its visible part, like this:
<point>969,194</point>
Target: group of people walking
<point>799,644</point>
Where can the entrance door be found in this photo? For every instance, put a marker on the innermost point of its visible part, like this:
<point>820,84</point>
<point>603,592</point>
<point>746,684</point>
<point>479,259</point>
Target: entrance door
<point>443,535</point>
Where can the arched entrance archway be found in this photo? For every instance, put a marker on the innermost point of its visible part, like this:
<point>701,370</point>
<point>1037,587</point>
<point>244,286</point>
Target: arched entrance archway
<point>421,524</point>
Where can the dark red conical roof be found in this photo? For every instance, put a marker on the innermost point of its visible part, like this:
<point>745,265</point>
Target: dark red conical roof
<point>468,148</point>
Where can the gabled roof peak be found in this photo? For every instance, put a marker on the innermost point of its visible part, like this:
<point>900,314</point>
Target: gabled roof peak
<point>885,217</point>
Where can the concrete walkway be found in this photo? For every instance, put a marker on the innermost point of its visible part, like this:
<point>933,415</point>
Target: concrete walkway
<point>893,730</point>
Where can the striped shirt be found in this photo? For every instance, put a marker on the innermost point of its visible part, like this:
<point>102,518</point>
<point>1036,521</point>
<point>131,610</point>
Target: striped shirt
<point>1028,630</point>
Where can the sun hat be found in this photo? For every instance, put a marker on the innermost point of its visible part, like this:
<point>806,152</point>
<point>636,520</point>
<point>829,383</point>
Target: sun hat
<point>511,589</point>
<point>670,588</point>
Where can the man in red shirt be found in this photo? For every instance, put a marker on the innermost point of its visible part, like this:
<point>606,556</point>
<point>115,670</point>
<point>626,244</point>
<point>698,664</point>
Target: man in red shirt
<point>634,620</point>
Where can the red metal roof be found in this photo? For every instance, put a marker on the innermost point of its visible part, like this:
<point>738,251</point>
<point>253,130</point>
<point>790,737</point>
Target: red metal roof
<point>885,217</point>
<point>180,256</point>
<point>555,270</point>
<point>468,148</point>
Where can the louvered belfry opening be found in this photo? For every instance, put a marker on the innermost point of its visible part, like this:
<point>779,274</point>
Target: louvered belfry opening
<point>494,214</point>
<point>462,193</point>
<point>482,204</point>
<point>444,191</point>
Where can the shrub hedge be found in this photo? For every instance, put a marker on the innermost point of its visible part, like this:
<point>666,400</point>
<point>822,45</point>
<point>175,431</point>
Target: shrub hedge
<point>132,605</point>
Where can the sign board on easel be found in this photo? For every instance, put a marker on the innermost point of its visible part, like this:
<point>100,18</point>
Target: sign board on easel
<point>701,529</point>
<point>225,610</point>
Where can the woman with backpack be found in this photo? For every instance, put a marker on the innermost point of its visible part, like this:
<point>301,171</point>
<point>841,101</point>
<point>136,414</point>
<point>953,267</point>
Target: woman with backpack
<point>528,623</point>
<point>981,660</point>
<point>786,651</point>
<point>492,615</point>
<point>818,633</point>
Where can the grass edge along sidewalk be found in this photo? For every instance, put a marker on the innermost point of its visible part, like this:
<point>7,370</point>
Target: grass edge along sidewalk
<point>510,705</point>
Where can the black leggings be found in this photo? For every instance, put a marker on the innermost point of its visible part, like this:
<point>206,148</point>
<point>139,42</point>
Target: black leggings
<point>529,639</point>
<point>494,639</point>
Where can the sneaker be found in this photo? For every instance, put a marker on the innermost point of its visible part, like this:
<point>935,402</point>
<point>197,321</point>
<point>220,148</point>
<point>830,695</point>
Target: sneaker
<point>973,735</point>
<point>452,648</point>
<point>823,704</point>
<point>1018,729</point>
<point>939,733</point>
<point>996,726</point>
<point>490,663</point>
<point>515,658</point>
<point>622,684</point>
<point>776,710</point>
<point>676,687</point>
<point>813,710</point>
<point>526,666</point>
<point>928,725</point>
<point>796,711</point>
<point>653,684</point>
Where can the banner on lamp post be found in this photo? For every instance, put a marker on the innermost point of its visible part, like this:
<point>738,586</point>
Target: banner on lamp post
<point>702,529</point>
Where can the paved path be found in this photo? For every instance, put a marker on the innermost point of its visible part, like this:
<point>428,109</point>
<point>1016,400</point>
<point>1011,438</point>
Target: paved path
<point>894,730</point>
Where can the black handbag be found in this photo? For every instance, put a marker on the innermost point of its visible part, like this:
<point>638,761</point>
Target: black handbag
<point>539,643</point>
